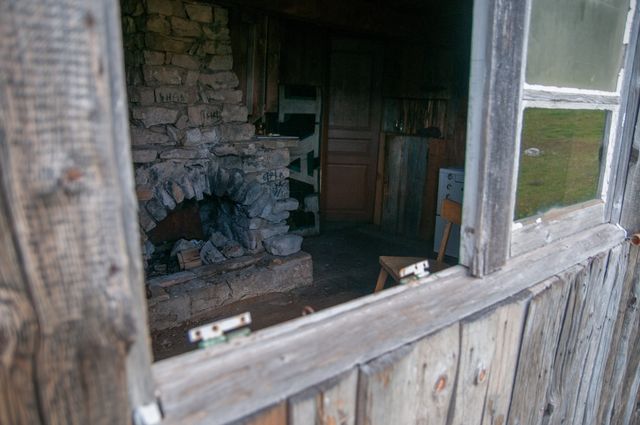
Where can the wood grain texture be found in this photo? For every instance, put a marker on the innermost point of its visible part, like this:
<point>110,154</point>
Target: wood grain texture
<point>216,385</point>
<point>509,320</point>
<point>330,403</point>
<point>534,94</point>
<point>413,384</point>
<point>489,347</point>
<point>573,363</point>
<point>602,338</point>
<point>620,378</point>
<point>274,415</point>
<point>625,172</point>
<point>554,226</point>
<point>496,74</point>
<point>540,337</point>
<point>391,207</point>
<point>66,281</point>
<point>629,217</point>
<point>140,381</point>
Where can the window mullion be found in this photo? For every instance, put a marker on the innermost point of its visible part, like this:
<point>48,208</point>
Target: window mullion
<point>499,36</point>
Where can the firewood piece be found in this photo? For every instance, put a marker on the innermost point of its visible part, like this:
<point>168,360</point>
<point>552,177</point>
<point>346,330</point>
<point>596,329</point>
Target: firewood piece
<point>189,258</point>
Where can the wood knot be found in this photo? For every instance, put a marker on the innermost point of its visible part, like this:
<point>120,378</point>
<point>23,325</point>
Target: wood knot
<point>72,174</point>
<point>72,180</point>
<point>89,20</point>
<point>441,383</point>
<point>481,376</point>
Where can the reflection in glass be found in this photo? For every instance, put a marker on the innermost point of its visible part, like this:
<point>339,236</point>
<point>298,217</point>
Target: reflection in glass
<point>560,158</point>
<point>576,43</point>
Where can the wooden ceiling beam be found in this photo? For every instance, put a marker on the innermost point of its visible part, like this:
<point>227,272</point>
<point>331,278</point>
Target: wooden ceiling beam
<point>372,17</point>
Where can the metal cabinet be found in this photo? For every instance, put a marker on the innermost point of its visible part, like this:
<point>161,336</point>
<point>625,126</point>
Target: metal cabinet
<point>450,185</point>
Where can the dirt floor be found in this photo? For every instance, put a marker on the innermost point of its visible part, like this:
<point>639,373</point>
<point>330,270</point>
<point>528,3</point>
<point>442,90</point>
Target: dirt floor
<point>345,266</point>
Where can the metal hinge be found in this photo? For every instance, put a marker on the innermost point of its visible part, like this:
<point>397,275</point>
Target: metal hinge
<point>149,414</point>
<point>221,331</point>
<point>419,270</point>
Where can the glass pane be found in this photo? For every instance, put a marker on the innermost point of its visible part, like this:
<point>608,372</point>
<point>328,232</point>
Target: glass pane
<point>559,159</point>
<point>576,43</point>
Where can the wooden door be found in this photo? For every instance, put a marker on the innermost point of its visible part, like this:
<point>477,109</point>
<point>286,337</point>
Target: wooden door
<point>353,129</point>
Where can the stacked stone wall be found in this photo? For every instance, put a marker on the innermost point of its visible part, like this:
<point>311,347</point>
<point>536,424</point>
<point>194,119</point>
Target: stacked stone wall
<point>189,130</point>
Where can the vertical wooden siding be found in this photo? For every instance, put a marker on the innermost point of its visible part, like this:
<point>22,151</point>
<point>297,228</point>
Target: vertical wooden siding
<point>73,337</point>
<point>564,351</point>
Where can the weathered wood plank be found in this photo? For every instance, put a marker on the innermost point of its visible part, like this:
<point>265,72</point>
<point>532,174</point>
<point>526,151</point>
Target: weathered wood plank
<point>510,320</point>
<point>544,95</point>
<point>489,348</point>
<point>601,345</point>
<point>539,340</point>
<point>413,384</point>
<point>498,42</point>
<point>380,173</point>
<point>330,403</point>
<point>617,399</point>
<point>555,225</point>
<point>202,384</point>
<point>477,345</point>
<point>140,381</point>
<point>574,360</point>
<point>274,415</point>
<point>416,149</point>
<point>68,305</point>
<point>624,179</point>
<point>18,332</point>
<point>392,209</point>
<point>385,384</point>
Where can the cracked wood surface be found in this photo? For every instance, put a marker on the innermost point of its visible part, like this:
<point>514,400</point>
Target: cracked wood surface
<point>546,355</point>
<point>71,291</point>
<point>288,360</point>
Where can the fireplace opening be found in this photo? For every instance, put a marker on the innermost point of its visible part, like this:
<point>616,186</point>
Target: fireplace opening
<point>208,226</point>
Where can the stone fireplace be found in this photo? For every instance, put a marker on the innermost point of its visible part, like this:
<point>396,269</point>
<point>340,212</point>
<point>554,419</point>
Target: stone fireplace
<point>241,195</point>
<point>190,136</point>
<point>196,160</point>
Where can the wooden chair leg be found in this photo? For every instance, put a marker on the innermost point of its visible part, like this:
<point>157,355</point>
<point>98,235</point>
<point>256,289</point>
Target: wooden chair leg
<point>382,278</point>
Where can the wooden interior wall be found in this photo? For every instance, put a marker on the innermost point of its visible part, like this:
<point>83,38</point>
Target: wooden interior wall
<point>256,42</point>
<point>563,351</point>
<point>425,74</point>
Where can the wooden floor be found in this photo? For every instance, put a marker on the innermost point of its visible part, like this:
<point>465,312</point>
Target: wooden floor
<point>345,266</point>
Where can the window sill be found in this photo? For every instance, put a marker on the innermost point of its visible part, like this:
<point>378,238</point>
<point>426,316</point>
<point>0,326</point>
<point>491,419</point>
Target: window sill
<point>535,232</point>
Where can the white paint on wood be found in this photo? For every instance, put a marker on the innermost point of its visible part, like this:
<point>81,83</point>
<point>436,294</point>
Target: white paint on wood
<point>535,232</point>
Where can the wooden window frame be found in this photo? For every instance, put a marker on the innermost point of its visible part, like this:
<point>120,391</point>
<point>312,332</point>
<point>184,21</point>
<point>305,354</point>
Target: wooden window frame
<point>498,96</point>
<point>103,323</point>
<point>299,354</point>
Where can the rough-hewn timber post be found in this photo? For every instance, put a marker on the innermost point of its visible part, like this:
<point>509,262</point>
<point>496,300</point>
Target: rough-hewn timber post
<point>73,339</point>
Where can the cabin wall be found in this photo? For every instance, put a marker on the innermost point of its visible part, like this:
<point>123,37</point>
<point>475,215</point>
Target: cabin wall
<point>564,350</point>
